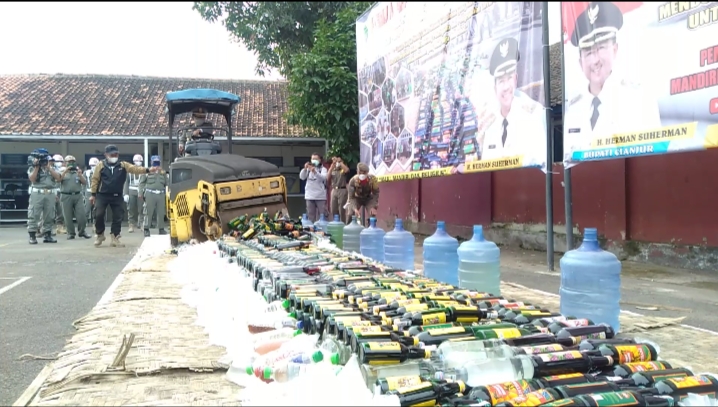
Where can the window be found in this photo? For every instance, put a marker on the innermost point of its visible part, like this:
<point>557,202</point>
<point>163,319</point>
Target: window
<point>278,161</point>
<point>14,159</point>
<point>180,175</point>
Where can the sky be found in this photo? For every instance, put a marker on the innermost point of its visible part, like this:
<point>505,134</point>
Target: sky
<point>144,39</point>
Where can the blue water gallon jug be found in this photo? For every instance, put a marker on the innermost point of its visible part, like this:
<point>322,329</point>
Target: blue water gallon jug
<point>399,247</point>
<point>479,264</point>
<point>336,229</point>
<point>350,240</point>
<point>591,282</point>
<point>441,260</point>
<point>321,224</point>
<point>371,241</point>
<point>306,222</point>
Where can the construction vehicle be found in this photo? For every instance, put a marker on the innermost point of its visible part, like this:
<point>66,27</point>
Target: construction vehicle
<point>205,192</point>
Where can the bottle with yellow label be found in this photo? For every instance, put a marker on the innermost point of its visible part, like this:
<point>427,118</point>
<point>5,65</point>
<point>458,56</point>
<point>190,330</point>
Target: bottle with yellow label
<point>580,333</point>
<point>386,353</point>
<point>386,384</point>
<point>396,303</point>
<point>679,387</point>
<point>498,392</point>
<point>627,369</point>
<point>381,336</point>
<point>594,344</point>
<point>650,378</point>
<point>427,393</point>
<point>629,353</point>
<point>437,336</point>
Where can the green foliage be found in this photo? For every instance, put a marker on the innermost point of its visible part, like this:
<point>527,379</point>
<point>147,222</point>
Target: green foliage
<point>323,84</point>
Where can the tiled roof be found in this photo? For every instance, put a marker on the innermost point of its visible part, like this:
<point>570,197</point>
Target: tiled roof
<point>99,105</point>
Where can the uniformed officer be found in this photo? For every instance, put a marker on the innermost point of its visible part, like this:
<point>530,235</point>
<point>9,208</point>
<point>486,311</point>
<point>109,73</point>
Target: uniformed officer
<point>72,184</point>
<point>41,205</point>
<point>88,175</point>
<point>362,192</point>
<point>200,125</point>
<point>134,204</point>
<point>608,105</point>
<point>516,125</point>
<point>152,190</point>
<point>59,164</point>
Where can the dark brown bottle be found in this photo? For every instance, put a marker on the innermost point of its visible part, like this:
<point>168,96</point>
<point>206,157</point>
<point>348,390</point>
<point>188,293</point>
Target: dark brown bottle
<point>635,352</point>
<point>649,379</point>
<point>397,382</point>
<point>566,379</point>
<point>499,392</point>
<point>384,353</point>
<point>594,344</point>
<point>679,387</point>
<point>600,331</point>
<point>624,398</point>
<point>627,369</point>
<point>426,393</point>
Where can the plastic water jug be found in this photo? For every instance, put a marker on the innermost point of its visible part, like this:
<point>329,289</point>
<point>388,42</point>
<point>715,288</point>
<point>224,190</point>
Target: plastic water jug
<point>591,282</point>
<point>479,264</point>
<point>372,241</point>
<point>305,221</point>
<point>350,239</point>
<point>441,260</point>
<point>321,224</point>
<point>399,247</point>
<point>336,229</point>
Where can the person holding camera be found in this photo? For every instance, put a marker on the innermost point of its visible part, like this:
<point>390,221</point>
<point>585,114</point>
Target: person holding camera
<point>315,189</point>
<point>41,205</point>
<point>72,182</point>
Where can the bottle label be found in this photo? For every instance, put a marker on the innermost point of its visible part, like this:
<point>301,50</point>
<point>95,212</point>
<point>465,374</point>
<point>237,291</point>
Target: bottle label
<point>506,391</point>
<point>512,304</point>
<point>383,362</point>
<point>415,307</point>
<point>535,350</point>
<point>535,398</point>
<point>427,403</point>
<point>404,301</point>
<point>431,319</point>
<point>373,334</point>
<point>644,366</point>
<point>467,320</point>
<point>690,381</point>
<point>559,356</point>
<point>661,377</point>
<point>618,398</point>
<point>464,339</point>
<point>400,382</point>
<point>596,335</point>
<point>464,308</point>
<point>344,320</point>
<point>576,322</point>
<point>633,353</point>
<point>507,333</point>
<point>415,387</point>
<point>446,331</point>
<point>535,312</point>
<point>364,329</point>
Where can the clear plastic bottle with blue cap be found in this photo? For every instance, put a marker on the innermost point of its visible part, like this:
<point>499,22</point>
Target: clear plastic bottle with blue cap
<point>441,259</point>
<point>350,239</point>
<point>306,223</point>
<point>321,224</point>
<point>336,229</point>
<point>371,241</point>
<point>479,264</point>
<point>399,247</point>
<point>591,282</point>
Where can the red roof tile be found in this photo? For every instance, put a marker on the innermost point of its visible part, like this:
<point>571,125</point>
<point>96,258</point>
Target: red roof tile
<point>97,105</point>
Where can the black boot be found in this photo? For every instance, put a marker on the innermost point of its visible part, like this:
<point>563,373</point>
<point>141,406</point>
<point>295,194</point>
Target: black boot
<point>70,237</point>
<point>48,238</point>
<point>147,233</point>
<point>33,238</point>
<point>84,234</point>
<point>162,232</point>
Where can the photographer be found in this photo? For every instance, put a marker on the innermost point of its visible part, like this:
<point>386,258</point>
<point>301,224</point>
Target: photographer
<point>72,182</point>
<point>315,190</point>
<point>41,206</point>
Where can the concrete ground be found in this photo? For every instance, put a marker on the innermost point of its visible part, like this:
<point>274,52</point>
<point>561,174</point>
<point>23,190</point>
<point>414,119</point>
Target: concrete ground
<point>646,289</point>
<point>43,289</point>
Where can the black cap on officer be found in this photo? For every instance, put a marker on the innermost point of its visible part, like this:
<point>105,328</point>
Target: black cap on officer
<point>599,22</point>
<point>505,57</point>
<point>111,148</point>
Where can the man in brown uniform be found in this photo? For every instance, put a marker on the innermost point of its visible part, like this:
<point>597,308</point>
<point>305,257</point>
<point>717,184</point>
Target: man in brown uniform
<point>338,178</point>
<point>363,191</point>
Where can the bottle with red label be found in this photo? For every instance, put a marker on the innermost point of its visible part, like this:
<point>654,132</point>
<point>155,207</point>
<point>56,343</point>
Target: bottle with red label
<point>679,387</point>
<point>426,393</point>
<point>650,378</point>
<point>627,369</point>
<point>498,392</point>
<point>557,326</point>
<point>629,353</point>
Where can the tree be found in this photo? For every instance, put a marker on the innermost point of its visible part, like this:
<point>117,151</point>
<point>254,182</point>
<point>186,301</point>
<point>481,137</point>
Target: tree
<point>275,31</point>
<point>323,94</point>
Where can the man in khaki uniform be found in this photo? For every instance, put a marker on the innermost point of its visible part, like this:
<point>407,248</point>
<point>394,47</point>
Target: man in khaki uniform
<point>200,125</point>
<point>134,204</point>
<point>41,207</point>
<point>338,181</point>
<point>59,164</point>
<point>72,183</point>
<point>363,192</point>
<point>152,190</point>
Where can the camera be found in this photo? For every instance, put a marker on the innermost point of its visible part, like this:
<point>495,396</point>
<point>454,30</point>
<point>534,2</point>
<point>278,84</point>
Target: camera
<point>41,155</point>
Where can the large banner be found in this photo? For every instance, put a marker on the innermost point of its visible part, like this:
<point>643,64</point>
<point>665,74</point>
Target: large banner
<point>641,78</point>
<point>450,87</point>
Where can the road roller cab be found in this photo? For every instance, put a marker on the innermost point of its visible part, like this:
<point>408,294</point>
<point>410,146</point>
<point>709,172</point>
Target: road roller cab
<point>207,190</point>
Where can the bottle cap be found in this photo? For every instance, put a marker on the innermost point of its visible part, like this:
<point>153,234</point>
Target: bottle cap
<point>298,331</point>
<point>285,304</point>
<point>293,315</point>
<point>267,374</point>
<point>300,325</point>
<point>334,359</point>
<point>249,370</point>
<point>317,356</point>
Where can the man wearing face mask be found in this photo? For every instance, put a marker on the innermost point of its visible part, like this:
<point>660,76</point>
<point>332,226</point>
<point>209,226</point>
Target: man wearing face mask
<point>315,189</point>
<point>200,126</point>
<point>59,164</point>
<point>72,182</point>
<point>88,176</point>
<point>131,195</point>
<point>363,192</point>
<point>41,205</point>
<point>107,185</point>
<point>153,187</point>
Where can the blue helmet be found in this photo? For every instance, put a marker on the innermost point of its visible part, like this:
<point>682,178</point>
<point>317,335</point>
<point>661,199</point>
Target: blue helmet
<point>155,160</point>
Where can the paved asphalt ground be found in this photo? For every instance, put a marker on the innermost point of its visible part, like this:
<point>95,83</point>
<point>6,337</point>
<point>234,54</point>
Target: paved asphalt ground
<point>67,279</point>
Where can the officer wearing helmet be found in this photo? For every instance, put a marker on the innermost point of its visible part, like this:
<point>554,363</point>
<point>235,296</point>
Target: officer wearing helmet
<point>131,192</point>
<point>59,163</point>
<point>72,184</point>
<point>200,126</point>
<point>41,205</point>
<point>88,176</point>
<point>153,187</point>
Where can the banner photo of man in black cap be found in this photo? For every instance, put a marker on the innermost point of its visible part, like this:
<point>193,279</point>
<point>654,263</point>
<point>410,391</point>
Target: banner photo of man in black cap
<point>106,189</point>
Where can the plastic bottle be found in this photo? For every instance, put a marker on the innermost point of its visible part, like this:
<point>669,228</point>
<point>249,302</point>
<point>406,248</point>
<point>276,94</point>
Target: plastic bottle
<point>267,336</point>
<point>305,221</point>
<point>336,230</point>
<point>441,260</point>
<point>321,224</point>
<point>591,282</point>
<point>372,241</point>
<point>350,239</point>
<point>479,264</point>
<point>399,247</point>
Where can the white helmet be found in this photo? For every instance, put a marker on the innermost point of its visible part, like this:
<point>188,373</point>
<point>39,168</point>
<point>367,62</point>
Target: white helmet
<point>138,157</point>
<point>94,161</point>
<point>58,158</point>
